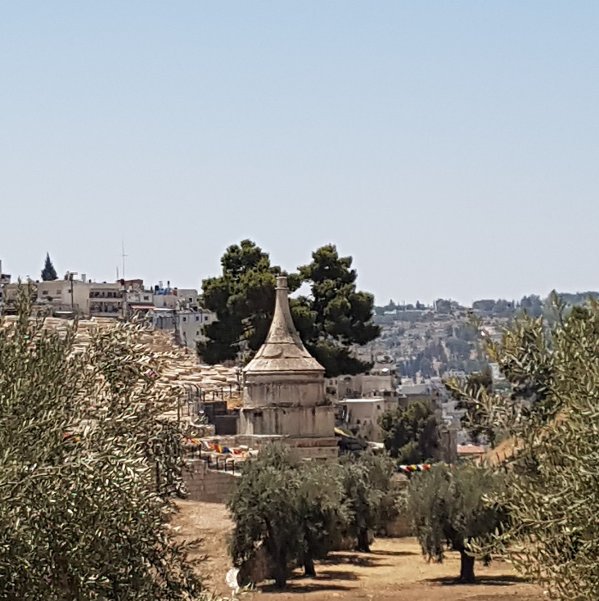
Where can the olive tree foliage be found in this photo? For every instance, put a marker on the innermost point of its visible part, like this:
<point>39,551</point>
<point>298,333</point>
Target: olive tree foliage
<point>449,509</point>
<point>87,465</point>
<point>552,452</point>
<point>467,393</point>
<point>295,512</point>
<point>291,511</point>
<point>371,499</point>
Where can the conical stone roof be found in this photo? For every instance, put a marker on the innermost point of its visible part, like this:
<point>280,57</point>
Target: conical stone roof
<point>283,350</point>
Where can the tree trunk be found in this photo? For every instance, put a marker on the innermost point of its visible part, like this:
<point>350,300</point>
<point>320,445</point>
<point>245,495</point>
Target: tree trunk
<point>466,567</point>
<point>280,574</point>
<point>309,569</point>
<point>363,544</point>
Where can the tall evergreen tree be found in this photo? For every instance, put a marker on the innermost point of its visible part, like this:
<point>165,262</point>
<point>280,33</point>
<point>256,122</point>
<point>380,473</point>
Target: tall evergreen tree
<point>333,318</point>
<point>341,314</point>
<point>48,272</point>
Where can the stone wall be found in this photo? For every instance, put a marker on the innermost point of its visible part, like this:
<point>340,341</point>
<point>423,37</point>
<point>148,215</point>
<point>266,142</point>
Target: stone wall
<point>399,527</point>
<point>305,388</point>
<point>208,485</point>
<point>316,421</point>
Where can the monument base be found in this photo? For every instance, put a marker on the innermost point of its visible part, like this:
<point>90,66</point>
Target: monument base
<point>307,429</point>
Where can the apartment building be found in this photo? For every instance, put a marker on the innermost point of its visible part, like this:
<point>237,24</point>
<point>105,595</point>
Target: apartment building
<point>106,299</point>
<point>187,324</point>
<point>361,416</point>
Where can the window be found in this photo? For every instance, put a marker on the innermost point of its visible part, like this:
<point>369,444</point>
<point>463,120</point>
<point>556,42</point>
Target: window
<point>197,318</point>
<point>185,319</point>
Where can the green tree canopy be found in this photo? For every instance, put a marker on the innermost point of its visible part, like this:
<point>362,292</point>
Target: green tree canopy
<point>48,272</point>
<point>468,394</point>
<point>243,300</point>
<point>87,466</point>
<point>550,454</point>
<point>449,510</point>
<point>331,319</point>
<point>370,497</point>
<point>290,510</point>
<point>295,511</point>
<point>411,434</point>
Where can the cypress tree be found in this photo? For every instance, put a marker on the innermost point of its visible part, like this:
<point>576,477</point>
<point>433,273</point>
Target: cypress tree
<point>48,272</point>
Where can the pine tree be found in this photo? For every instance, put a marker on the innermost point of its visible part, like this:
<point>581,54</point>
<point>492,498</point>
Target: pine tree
<point>333,319</point>
<point>48,272</point>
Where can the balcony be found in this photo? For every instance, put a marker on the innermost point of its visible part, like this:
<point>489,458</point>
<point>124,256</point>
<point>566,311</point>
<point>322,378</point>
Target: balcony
<point>105,294</point>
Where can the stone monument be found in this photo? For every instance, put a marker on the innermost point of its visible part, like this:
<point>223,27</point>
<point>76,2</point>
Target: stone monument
<point>283,391</point>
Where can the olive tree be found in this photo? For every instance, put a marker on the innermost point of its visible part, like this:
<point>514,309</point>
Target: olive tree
<point>263,509</point>
<point>369,495</point>
<point>87,466</point>
<point>551,420</point>
<point>322,512</point>
<point>449,510</point>
<point>290,510</point>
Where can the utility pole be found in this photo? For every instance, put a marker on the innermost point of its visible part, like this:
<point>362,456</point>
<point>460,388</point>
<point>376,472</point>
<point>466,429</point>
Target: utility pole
<point>123,256</point>
<point>71,274</point>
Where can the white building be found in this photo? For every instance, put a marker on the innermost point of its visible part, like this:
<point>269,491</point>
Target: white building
<point>186,324</point>
<point>106,299</point>
<point>188,298</point>
<point>381,380</point>
<point>68,296</point>
<point>361,416</point>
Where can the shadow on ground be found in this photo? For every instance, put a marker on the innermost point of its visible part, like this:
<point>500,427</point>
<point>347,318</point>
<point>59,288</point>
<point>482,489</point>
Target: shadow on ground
<point>356,559</point>
<point>334,575</point>
<point>295,587</point>
<point>499,580</point>
<point>394,553</point>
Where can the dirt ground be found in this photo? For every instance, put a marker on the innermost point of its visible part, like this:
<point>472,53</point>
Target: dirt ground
<point>395,570</point>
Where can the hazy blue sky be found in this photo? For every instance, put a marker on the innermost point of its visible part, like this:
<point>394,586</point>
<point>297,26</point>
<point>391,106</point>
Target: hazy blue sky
<point>451,148</point>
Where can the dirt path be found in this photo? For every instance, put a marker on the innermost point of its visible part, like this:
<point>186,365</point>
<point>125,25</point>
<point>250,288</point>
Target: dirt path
<point>395,570</point>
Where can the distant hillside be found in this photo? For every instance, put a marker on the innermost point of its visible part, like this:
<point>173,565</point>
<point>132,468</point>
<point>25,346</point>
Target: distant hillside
<point>429,341</point>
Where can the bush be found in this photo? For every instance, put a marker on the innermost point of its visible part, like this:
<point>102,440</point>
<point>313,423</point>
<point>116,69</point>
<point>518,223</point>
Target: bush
<point>411,434</point>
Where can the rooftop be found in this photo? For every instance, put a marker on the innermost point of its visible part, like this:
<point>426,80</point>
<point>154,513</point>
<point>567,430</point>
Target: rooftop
<point>283,349</point>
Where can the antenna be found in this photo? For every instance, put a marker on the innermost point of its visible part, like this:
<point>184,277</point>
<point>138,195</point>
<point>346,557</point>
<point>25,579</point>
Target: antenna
<point>123,257</point>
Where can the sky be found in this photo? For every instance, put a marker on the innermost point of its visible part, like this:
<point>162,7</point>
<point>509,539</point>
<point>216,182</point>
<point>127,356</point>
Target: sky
<point>451,148</point>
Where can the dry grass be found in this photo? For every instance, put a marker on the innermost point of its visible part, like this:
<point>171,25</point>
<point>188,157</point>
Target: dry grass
<point>395,570</point>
